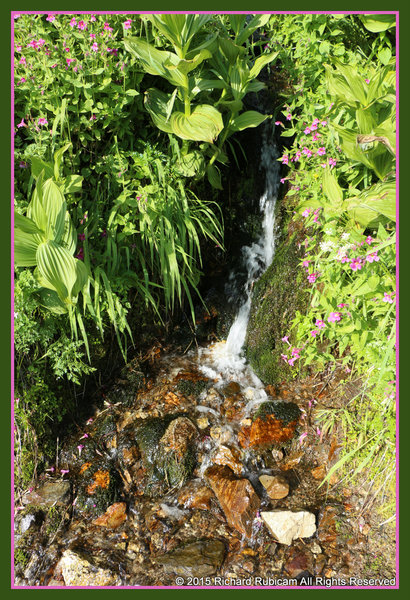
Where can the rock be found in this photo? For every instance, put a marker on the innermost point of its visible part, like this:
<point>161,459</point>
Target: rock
<point>229,457</point>
<point>315,548</point>
<point>196,496</point>
<point>178,437</point>
<point>49,493</point>
<point>202,422</point>
<point>287,526</point>
<point>231,388</point>
<point>98,487</point>
<point>273,423</point>
<point>297,563</point>
<point>168,451</point>
<point>237,497</point>
<point>199,559</point>
<point>222,435</point>
<point>319,472</point>
<point>78,570</point>
<point>114,516</point>
<point>329,517</point>
<point>276,487</point>
<point>292,461</point>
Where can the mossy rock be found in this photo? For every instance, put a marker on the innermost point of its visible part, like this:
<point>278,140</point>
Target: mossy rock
<point>98,487</point>
<point>278,294</point>
<point>189,387</point>
<point>286,412</point>
<point>167,466</point>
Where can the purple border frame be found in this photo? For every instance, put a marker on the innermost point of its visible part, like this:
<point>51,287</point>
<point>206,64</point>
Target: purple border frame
<point>224,12</point>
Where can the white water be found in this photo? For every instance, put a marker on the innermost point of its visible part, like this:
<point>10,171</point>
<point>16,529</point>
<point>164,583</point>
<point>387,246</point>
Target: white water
<point>224,361</point>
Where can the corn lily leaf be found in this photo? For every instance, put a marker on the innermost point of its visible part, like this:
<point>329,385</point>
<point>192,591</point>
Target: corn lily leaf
<point>25,248</point>
<point>260,62</point>
<point>157,104</point>
<point>57,268</point>
<point>378,23</point>
<point>204,124</point>
<point>250,118</point>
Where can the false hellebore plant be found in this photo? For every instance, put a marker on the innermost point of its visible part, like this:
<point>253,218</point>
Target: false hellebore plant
<point>214,61</point>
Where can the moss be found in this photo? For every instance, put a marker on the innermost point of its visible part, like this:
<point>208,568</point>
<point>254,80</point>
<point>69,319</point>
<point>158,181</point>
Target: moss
<point>278,294</point>
<point>287,412</point>
<point>21,557</point>
<point>54,518</point>
<point>165,468</point>
<point>191,388</point>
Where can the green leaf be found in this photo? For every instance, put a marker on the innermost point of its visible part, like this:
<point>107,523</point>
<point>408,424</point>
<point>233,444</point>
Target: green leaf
<point>230,50</point>
<point>57,267</point>
<point>73,184</point>
<point>55,208</point>
<point>132,92</point>
<point>156,103</point>
<point>25,248</point>
<point>51,301</point>
<point>214,176</point>
<point>250,118</point>
<point>152,59</point>
<point>191,164</point>
<point>378,23</point>
<point>38,165</point>
<point>203,124</point>
<point>331,189</point>
<point>384,55</point>
<point>256,22</point>
<point>260,62</point>
<point>82,277</point>
<point>25,224</point>
<point>58,155</point>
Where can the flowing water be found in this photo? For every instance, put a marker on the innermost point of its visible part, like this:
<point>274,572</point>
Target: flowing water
<point>157,524</point>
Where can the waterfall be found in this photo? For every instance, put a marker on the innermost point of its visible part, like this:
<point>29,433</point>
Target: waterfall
<point>225,359</point>
<point>259,255</point>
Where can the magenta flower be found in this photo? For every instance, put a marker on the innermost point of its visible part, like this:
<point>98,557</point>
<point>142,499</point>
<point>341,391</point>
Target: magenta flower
<point>288,117</point>
<point>279,123</point>
<point>319,323</point>
<point>295,352</point>
<point>367,80</point>
<point>332,162</point>
<point>372,257</point>
<point>42,121</point>
<point>93,18</point>
<point>306,213</point>
<point>283,179</point>
<point>357,264</point>
<point>94,47</point>
<point>81,236</point>
<point>79,448</point>
<point>84,436</point>
<point>314,332</point>
<point>80,254</point>
<point>312,277</point>
<point>107,27</point>
<point>369,240</point>
<point>127,24</point>
<point>73,22</point>
<point>291,361</point>
<point>388,297</point>
<point>22,60</point>
<point>316,136</point>
<point>334,316</point>
<point>22,123</point>
<point>69,61</point>
<point>321,151</point>
<point>323,123</point>
<point>285,338</point>
<point>284,357</point>
<point>92,35</point>
<point>285,159</point>
<point>50,18</point>
<point>302,437</point>
<point>64,471</point>
<point>305,263</point>
<point>82,25</point>
<point>307,131</point>
<point>342,305</point>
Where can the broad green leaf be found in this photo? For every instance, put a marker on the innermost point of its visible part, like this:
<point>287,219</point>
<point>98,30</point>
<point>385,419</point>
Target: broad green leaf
<point>260,62</point>
<point>255,86</point>
<point>384,55</point>
<point>35,210</point>
<point>230,50</point>
<point>156,103</point>
<point>191,165</point>
<point>82,277</point>
<point>73,184</point>
<point>237,22</point>
<point>57,267</point>
<point>50,300</point>
<point>378,23</point>
<point>331,189</point>
<point>38,165</point>
<point>250,118</point>
<point>208,84</point>
<point>25,224</point>
<point>69,237</point>
<point>256,22</point>
<point>214,176</point>
<point>25,248</point>
<point>55,208</point>
<point>152,59</point>
<point>203,124</point>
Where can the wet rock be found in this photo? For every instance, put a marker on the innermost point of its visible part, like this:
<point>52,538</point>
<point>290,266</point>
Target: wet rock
<point>77,569</point>
<point>199,559</point>
<point>237,497</point>
<point>196,495</point>
<point>168,451</point>
<point>319,472</point>
<point>230,457</point>
<point>114,516</point>
<point>292,461</point>
<point>287,526</point>
<point>315,548</point>
<point>232,388</point>
<point>221,435</point>
<point>202,422</point>
<point>330,518</point>
<point>299,562</point>
<point>49,493</point>
<point>273,423</point>
<point>98,487</point>
<point>276,487</point>
<point>191,384</point>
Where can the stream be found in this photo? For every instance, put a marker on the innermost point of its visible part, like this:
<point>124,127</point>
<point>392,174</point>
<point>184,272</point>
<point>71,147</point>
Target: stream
<point>205,477</point>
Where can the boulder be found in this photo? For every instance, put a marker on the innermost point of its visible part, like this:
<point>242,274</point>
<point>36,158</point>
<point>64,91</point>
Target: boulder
<point>276,487</point>
<point>114,516</point>
<point>273,423</point>
<point>287,526</point>
<point>77,569</point>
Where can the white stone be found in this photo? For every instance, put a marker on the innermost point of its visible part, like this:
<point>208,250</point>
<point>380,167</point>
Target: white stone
<point>287,526</point>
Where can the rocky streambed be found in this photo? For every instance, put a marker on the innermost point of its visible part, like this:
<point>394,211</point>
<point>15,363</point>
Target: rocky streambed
<point>198,475</point>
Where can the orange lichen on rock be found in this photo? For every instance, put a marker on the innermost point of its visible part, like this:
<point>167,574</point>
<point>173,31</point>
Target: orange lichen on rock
<point>114,516</point>
<point>84,467</point>
<point>101,479</point>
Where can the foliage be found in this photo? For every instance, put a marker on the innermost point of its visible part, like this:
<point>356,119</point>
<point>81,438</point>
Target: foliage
<point>342,174</point>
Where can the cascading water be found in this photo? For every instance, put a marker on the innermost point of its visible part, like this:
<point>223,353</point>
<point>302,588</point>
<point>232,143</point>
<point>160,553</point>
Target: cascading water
<point>224,360</point>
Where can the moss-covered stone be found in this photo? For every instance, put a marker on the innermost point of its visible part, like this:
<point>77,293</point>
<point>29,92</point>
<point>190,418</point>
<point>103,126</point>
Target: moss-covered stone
<point>167,465</point>
<point>278,294</point>
<point>98,487</point>
<point>286,412</point>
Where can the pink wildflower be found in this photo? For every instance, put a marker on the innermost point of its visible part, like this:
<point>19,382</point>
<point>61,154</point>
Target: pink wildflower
<point>372,257</point>
<point>285,159</point>
<point>42,121</point>
<point>306,213</point>
<point>332,162</point>
<point>319,323</point>
<point>307,131</point>
<point>69,61</point>
<point>284,357</point>
<point>285,338</point>
<point>323,123</point>
<point>107,27</point>
<point>291,361</point>
<point>82,25</point>
<point>369,240</point>
<point>73,22</point>
<point>127,24</point>
<point>312,277</point>
<point>288,117</point>
<point>356,264</point>
<point>388,297</point>
<point>334,316</point>
<point>81,236</point>
<point>94,47</point>
<point>302,437</point>
<point>305,263</point>
<point>342,305</point>
<point>22,60</point>
<point>22,123</point>
<point>279,123</point>
<point>64,471</point>
<point>321,151</point>
<point>314,332</point>
<point>50,18</point>
<point>92,35</point>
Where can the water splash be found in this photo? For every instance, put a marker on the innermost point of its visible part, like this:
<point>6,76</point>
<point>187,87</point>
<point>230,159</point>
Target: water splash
<point>225,361</point>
